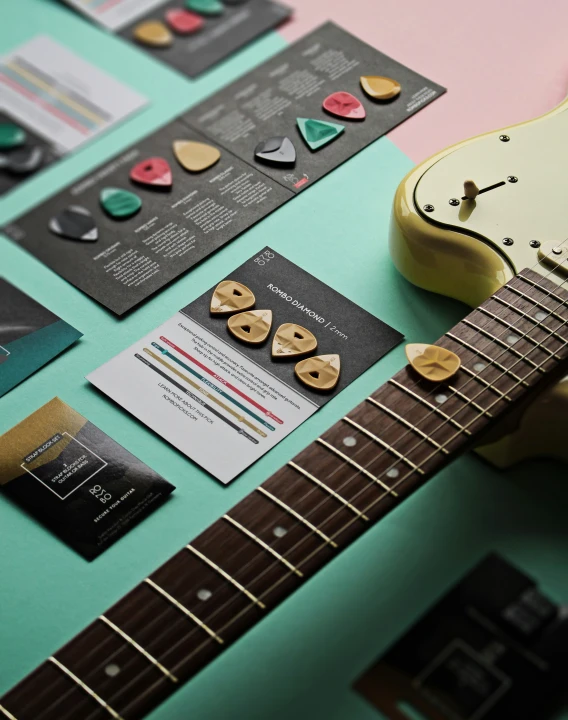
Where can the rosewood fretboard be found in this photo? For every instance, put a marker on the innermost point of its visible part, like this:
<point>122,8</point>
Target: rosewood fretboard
<point>200,601</point>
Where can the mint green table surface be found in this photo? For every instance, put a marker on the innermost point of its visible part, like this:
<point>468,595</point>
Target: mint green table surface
<point>301,660</point>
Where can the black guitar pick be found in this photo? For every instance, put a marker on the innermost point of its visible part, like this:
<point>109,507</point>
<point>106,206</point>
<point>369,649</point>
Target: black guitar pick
<point>22,160</point>
<point>276,150</point>
<point>75,223</point>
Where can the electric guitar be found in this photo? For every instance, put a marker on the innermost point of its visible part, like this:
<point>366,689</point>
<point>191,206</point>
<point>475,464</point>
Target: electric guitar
<point>509,351</point>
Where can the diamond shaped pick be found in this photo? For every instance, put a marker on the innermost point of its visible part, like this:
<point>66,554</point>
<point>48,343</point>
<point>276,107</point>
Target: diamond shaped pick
<point>343,104</point>
<point>292,340</point>
<point>379,88</point>
<point>320,372</point>
<point>206,7</point>
<point>11,136</point>
<point>230,296</point>
<point>74,223</point>
<point>195,156</point>
<point>251,326</point>
<point>22,160</point>
<point>152,171</point>
<point>120,203</point>
<point>276,150</point>
<point>318,133</point>
<point>153,33</point>
<point>432,362</point>
<point>183,22</point>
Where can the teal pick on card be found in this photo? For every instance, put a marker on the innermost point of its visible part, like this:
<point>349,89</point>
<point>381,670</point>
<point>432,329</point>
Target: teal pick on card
<point>205,7</point>
<point>11,136</point>
<point>120,203</point>
<point>318,133</point>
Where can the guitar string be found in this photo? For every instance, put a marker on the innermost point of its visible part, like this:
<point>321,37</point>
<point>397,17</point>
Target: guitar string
<point>442,425</point>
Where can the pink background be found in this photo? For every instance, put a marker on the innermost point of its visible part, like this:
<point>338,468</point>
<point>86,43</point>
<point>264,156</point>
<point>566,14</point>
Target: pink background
<point>502,61</point>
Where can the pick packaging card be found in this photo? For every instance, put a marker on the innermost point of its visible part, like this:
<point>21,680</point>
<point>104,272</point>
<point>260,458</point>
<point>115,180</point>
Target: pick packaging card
<point>225,403</point>
<point>30,336</point>
<point>190,39</point>
<point>51,103</point>
<point>188,200</point>
<point>75,479</point>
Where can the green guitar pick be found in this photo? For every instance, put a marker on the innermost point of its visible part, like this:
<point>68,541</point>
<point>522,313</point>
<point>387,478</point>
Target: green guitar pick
<point>206,7</point>
<point>120,203</point>
<point>11,136</point>
<point>318,133</point>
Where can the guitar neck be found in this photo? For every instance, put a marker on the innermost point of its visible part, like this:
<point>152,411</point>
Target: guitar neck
<point>209,594</point>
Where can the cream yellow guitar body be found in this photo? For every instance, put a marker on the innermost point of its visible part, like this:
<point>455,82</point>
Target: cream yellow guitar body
<point>466,248</point>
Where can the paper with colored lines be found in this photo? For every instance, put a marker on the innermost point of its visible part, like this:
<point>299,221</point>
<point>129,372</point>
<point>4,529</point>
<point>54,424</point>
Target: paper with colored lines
<point>57,95</point>
<point>115,14</point>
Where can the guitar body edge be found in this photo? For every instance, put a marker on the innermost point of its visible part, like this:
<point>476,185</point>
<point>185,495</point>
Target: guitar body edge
<point>465,268</point>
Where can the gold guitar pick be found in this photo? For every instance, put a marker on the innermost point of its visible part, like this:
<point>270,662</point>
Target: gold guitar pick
<point>154,33</point>
<point>432,362</point>
<point>195,156</point>
<point>230,296</point>
<point>251,326</point>
<point>379,88</point>
<point>291,340</point>
<point>320,372</point>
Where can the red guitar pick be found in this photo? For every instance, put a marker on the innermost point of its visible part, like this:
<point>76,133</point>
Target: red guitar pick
<point>152,171</point>
<point>183,21</point>
<point>344,105</point>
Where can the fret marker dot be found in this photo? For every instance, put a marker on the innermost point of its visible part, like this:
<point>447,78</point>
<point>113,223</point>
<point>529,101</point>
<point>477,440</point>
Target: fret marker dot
<point>393,473</point>
<point>479,366</point>
<point>441,398</point>
<point>279,531</point>
<point>112,670</point>
<point>512,339</point>
<point>349,441</point>
<point>204,594</point>
<point>540,315</point>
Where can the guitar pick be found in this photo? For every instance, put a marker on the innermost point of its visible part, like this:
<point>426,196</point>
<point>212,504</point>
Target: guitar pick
<point>318,133</point>
<point>11,136</point>
<point>152,171</point>
<point>291,340</point>
<point>230,296</point>
<point>120,203</point>
<point>343,104</point>
<point>277,150</point>
<point>22,160</point>
<point>206,7</point>
<point>432,362</point>
<point>379,88</point>
<point>252,326</point>
<point>153,33</point>
<point>183,21</point>
<point>195,156</point>
<point>320,372</point>
<point>74,223</point>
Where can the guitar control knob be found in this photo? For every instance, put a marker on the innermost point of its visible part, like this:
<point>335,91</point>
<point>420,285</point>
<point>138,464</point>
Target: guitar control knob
<point>470,190</point>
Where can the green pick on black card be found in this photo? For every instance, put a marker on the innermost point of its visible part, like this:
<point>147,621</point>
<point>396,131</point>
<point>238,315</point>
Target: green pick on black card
<point>11,136</point>
<point>318,133</point>
<point>120,203</point>
<point>205,7</point>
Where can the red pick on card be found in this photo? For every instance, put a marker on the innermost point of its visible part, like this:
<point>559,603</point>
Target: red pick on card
<point>152,171</point>
<point>183,21</point>
<point>344,105</point>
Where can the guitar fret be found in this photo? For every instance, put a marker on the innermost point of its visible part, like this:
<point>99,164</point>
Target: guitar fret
<point>184,610</point>
<point>227,577</point>
<point>263,545</point>
<point>84,687</point>
<point>422,400</point>
<point>476,351</point>
<point>520,293</point>
<point>299,517</point>
<point>7,713</point>
<point>352,462</point>
<point>470,402</point>
<point>498,340</point>
<point>325,487</point>
<point>138,647</point>
<point>534,321</point>
<point>544,291</point>
<point>409,425</point>
<point>523,336</point>
<point>487,384</point>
